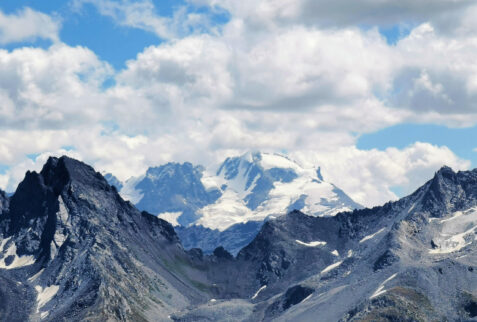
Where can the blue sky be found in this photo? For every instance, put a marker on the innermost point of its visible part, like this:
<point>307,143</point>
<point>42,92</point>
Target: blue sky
<point>459,140</point>
<point>87,27</point>
<point>129,84</point>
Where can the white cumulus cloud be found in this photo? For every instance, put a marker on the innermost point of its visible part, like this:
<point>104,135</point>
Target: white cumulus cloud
<point>28,25</point>
<point>278,76</point>
<point>369,176</point>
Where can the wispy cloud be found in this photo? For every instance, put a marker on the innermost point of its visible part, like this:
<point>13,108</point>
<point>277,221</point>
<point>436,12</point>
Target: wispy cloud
<point>143,14</point>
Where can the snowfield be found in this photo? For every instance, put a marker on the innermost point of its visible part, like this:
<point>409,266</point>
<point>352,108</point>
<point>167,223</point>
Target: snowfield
<point>319,197</point>
<point>455,232</point>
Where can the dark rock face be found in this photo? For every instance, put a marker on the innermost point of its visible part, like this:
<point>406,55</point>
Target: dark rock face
<point>295,295</point>
<point>276,255</point>
<point>175,187</point>
<point>220,252</point>
<point>4,201</point>
<point>471,309</point>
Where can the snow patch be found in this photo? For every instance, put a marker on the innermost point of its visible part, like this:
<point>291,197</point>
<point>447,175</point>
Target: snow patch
<point>311,244</point>
<point>307,298</point>
<point>239,182</point>
<point>211,181</point>
<point>258,292</point>
<point>45,295</point>
<point>18,261</point>
<point>34,277</point>
<point>455,216</point>
<point>331,267</point>
<point>171,217</point>
<point>59,238</point>
<point>371,236</point>
<point>270,161</point>
<point>335,252</point>
<point>381,289</point>
<point>411,208</point>
<point>455,232</point>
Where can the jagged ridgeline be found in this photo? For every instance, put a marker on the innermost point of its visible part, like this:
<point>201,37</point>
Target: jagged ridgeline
<point>71,249</point>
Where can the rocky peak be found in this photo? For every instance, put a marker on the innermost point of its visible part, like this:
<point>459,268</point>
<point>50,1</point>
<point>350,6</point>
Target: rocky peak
<point>68,232</point>
<point>44,213</point>
<point>58,172</point>
<point>175,187</point>
<point>450,191</point>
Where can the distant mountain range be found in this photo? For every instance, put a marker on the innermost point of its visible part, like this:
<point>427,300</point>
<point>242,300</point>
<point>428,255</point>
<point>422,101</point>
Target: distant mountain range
<point>227,206</point>
<point>71,249</point>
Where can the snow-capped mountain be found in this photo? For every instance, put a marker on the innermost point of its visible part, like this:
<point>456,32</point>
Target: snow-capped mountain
<point>211,204</point>
<point>257,185</point>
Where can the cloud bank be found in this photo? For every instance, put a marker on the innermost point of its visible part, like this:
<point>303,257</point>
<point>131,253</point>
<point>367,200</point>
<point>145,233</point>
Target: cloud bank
<point>284,76</point>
